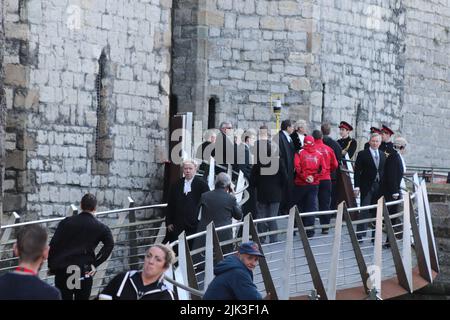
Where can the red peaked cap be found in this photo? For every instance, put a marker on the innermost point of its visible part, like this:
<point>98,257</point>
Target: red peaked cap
<point>309,140</point>
<point>346,126</point>
<point>374,130</point>
<point>387,130</point>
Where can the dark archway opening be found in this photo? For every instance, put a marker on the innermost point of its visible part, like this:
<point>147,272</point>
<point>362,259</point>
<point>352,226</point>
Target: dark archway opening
<point>212,113</point>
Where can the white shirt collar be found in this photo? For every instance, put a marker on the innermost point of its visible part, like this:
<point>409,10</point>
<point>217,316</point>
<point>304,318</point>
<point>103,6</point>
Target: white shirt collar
<point>288,137</point>
<point>187,185</point>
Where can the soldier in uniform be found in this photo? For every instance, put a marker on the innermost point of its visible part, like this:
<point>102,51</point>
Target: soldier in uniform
<point>347,143</point>
<point>386,145</point>
<point>372,130</point>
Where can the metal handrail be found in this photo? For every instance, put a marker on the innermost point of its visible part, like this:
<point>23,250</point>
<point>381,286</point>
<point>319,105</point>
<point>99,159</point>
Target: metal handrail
<point>21,224</point>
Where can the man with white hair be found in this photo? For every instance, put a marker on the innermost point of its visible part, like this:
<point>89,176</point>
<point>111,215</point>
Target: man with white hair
<point>394,169</point>
<point>184,198</point>
<point>224,149</point>
<point>298,136</point>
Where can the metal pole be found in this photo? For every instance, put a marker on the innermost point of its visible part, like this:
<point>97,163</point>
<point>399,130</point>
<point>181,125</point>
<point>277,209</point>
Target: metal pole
<point>133,260</point>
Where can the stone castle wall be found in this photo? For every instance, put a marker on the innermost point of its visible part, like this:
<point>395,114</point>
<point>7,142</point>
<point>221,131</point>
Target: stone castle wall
<point>70,131</point>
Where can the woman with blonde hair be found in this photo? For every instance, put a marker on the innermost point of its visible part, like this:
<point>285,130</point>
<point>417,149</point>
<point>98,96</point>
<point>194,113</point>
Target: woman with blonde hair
<point>145,284</point>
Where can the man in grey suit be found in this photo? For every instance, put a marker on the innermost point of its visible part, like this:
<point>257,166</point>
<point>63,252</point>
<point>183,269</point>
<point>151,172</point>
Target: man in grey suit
<point>218,206</point>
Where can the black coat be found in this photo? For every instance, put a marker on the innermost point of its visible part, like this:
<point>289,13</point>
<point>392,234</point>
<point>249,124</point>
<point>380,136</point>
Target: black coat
<point>287,153</point>
<point>393,175</point>
<point>224,150</point>
<point>298,145</point>
<point>365,170</point>
<point>182,210</point>
<point>337,152</point>
<point>75,240</point>
<point>269,187</point>
<point>242,159</point>
<point>348,144</point>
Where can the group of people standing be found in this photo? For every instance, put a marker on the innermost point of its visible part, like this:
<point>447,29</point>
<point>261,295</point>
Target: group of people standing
<point>292,167</point>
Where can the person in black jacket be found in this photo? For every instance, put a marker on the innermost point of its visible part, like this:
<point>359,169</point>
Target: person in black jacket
<point>368,174</point>
<point>184,199</point>
<point>23,283</point>
<point>146,284</point>
<point>326,130</point>
<point>72,258</point>
<point>301,131</point>
<point>286,153</point>
<point>394,169</point>
<point>268,185</point>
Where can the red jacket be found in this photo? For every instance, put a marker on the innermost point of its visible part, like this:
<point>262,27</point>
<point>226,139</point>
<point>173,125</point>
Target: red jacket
<point>308,162</point>
<point>329,157</point>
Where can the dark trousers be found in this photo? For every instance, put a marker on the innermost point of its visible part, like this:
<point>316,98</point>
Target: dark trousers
<point>333,203</point>
<point>306,200</point>
<point>82,290</point>
<point>324,200</point>
<point>268,210</point>
<point>173,236</point>
<point>367,199</point>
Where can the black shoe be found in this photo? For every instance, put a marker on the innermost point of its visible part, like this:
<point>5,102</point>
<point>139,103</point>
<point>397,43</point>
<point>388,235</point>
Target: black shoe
<point>325,231</point>
<point>387,245</point>
<point>310,234</point>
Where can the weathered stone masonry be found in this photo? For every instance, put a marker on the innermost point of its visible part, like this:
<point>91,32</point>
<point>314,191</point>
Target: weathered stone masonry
<point>87,83</point>
<point>51,65</point>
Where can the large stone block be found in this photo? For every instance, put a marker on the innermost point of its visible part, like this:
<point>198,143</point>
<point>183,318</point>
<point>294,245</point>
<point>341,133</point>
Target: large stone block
<point>14,202</point>
<point>19,31</point>
<point>272,23</point>
<point>27,99</point>
<point>16,160</point>
<point>16,75</point>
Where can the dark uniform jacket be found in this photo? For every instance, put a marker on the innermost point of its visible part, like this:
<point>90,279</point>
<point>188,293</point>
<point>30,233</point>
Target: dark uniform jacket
<point>75,240</point>
<point>365,171</point>
<point>348,144</point>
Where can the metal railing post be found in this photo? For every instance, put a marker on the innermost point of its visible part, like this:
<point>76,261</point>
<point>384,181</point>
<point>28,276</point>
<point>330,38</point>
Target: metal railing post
<point>132,243</point>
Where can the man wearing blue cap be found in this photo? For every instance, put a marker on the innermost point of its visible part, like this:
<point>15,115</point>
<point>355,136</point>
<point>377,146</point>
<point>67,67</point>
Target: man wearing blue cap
<point>234,276</point>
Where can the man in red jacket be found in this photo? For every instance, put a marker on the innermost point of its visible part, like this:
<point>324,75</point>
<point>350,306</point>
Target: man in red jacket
<point>309,164</point>
<point>330,165</point>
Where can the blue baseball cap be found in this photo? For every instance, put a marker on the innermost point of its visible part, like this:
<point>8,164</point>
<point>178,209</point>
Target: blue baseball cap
<point>250,248</point>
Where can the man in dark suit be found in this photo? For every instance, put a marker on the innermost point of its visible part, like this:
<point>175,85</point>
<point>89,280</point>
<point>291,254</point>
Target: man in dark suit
<point>183,202</point>
<point>219,206</point>
<point>73,245</point>
<point>369,170</point>
<point>327,140</point>
<point>224,148</point>
<point>286,154</point>
<point>394,169</point>
<point>372,130</point>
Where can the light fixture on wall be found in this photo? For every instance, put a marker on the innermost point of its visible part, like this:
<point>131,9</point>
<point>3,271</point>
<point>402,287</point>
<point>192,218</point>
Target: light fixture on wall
<point>276,105</point>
